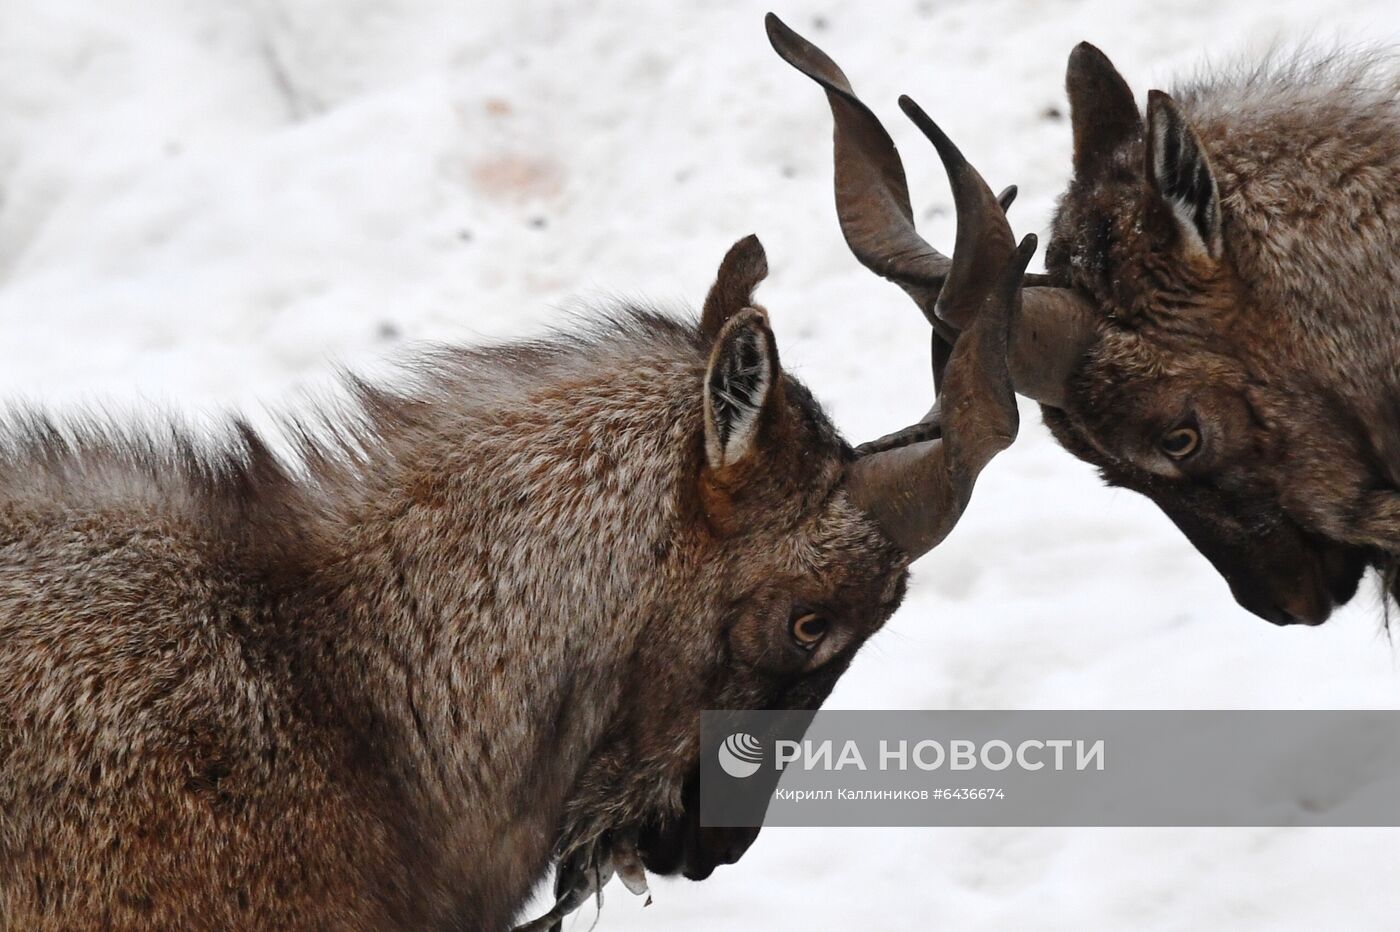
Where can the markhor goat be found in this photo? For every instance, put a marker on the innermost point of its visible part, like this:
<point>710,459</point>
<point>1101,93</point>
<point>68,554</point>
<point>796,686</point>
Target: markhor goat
<point>385,687</point>
<point>1219,327</point>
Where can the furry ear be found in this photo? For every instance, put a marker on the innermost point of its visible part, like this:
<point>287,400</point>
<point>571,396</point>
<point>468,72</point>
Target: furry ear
<point>740,386</point>
<point>741,270</point>
<point>1102,111</point>
<point>1178,171</point>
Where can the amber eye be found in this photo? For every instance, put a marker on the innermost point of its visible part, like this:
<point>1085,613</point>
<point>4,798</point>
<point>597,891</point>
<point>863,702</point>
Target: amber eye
<point>808,630</point>
<point>1181,442</point>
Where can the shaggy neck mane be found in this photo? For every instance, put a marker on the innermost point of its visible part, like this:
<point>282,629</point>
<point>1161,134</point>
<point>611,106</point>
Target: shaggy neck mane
<point>331,464</point>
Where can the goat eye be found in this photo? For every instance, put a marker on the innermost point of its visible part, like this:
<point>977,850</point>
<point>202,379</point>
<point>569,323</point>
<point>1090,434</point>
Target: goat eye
<point>808,630</point>
<point>1181,442</point>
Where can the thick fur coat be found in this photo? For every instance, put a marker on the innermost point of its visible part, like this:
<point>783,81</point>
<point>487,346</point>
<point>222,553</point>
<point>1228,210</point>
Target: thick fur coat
<point>466,631</point>
<point>1242,244</point>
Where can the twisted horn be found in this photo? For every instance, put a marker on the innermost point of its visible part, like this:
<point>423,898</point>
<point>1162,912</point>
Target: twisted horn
<point>917,481</point>
<point>872,195</point>
<point>1054,326</point>
<point>918,492</point>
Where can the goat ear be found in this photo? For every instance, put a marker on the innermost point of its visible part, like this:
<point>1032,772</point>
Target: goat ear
<point>1102,110</point>
<point>1179,174</point>
<point>741,270</point>
<point>741,385</point>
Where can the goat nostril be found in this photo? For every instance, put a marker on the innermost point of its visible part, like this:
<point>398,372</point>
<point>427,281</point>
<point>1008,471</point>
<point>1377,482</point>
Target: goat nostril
<point>1310,606</point>
<point>1311,613</point>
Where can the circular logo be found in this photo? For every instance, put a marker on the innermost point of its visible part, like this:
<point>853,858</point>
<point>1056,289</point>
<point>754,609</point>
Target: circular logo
<point>740,755</point>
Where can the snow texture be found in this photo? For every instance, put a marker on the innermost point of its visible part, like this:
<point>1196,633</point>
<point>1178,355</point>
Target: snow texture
<point>209,205</point>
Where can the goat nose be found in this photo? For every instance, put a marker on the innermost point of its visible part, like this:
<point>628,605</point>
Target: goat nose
<point>1281,617</point>
<point>1268,610</point>
<point>1308,604</point>
<point>1310,610</point>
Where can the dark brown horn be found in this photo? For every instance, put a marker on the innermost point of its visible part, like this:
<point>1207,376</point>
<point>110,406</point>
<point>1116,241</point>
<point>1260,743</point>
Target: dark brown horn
<point>984,239</point>
<point>1007,197</point>
<point>1054,330</point>
<point>916,481</point>
<point>1055,325</point>
<point>916,493</point>
<point>872,195</point>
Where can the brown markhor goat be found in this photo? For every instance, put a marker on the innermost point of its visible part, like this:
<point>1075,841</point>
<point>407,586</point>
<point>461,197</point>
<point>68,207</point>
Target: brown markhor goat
<point>1221,311</point>
<point>386,687</point>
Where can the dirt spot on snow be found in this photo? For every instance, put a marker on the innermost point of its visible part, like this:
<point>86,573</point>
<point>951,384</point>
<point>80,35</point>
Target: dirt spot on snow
<point>517,178</point>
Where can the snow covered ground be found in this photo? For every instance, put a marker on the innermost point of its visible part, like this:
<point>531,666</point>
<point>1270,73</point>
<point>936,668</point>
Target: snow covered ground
<point>208,205</point>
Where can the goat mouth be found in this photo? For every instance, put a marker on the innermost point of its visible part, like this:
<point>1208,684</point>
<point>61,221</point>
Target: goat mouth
<point>694,853</point>
<point>1330,581</point>
<point>1283,617</point>
<point>1309,606</point>
<point>681,845</point>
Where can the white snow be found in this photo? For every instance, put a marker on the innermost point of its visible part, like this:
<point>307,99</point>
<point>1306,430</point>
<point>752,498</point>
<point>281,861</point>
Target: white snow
<point>208,205</point>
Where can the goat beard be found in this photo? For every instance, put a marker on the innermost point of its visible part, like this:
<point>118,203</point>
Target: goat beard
<point>1388,569</point>
<point>585,873</point>
<point>615,797</point>
<point>663,845</point>
<point>603,820</point>
<point>627,818</point>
